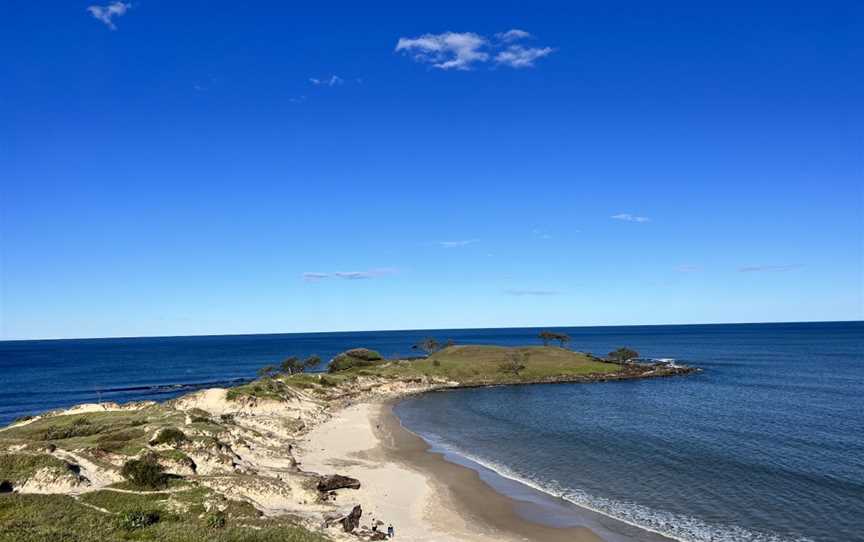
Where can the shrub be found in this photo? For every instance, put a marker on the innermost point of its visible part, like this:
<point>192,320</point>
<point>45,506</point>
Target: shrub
<point>145,473</point>
<point>215,520</point>
<point>79,428</point>
<point>357,357</point>
<point>116,441</point>
<point>169,435</point>
<point>138,519</point>
<point>623,355</point>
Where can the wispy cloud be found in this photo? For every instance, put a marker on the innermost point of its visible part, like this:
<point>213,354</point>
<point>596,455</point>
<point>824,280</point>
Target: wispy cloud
<point>627,217</point>
<point>513,34</point>
<point>331,81</point>
<point>456,244</point>
<point>349,275</point>
<point>107,13</point>
<point>465,50</point>
<point>517,56</point>
<point>521,292</point>
<point>758,268</point>
<point>540,234</point>
<point>688,268</point>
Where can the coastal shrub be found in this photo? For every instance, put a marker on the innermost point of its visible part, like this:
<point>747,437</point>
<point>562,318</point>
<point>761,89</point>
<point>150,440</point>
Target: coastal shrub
<point>215,520</point>
<point>356,357</point>
<point>81,427</point>
<point>170,435</point>
<point>131,520</point>
<point>623,355</point>
<point>145,473</point>
<point>116,441</point>
<point>429,345</point>
<point>514,363</point>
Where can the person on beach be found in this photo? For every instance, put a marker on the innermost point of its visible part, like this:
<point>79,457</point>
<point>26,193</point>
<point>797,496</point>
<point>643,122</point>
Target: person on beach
<point>391,532</point>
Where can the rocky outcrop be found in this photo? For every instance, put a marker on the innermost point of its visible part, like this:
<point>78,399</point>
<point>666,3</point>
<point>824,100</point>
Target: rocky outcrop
<point>352,520</point>
<point>336,481</point>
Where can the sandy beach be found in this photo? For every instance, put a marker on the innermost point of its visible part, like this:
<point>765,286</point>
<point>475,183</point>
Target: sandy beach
<point>423,496</point>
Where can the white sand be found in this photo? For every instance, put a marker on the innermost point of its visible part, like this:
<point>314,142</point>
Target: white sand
<point>392,492</point>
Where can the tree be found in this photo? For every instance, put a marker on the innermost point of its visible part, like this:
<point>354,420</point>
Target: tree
<point>291,365</point>
<point>311,362</point>
<point>428,345</point>
<point>514,363</point>
<point>548,336</point>
<point>623,355</point>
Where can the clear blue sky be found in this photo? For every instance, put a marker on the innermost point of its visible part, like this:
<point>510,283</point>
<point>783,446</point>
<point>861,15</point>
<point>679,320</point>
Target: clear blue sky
<point>196,167</point>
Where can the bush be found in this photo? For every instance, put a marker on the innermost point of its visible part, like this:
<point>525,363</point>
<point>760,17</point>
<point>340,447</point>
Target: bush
<point>169,435</point>
<point>79,428</point>
<point>215,520</point>
<point>145,473</point>
<point>114,442</point>
<point>357,357</point>
<point>138,519</point>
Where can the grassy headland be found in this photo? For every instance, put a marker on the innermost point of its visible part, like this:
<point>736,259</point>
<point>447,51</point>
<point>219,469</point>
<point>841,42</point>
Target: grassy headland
<point>218,464</point>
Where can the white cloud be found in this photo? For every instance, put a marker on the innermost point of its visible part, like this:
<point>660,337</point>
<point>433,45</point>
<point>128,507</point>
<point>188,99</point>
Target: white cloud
<point>106,14</point>
<point>757,268</point>
<point>519,292</point>
<point>465,50</point>
<point>517,56</point>
<point>627,217</point>
<point>349,275</point>
<point>449,50</point>
<point>455,244</point>
<point>513,34</point>
<point>331,81</point>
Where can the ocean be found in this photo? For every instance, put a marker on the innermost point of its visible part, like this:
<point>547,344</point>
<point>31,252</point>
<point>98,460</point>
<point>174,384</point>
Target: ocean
<point>765,445</point>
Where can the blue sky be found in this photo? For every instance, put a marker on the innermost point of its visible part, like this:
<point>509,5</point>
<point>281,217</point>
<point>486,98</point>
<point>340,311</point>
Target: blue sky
<point>192,167</point>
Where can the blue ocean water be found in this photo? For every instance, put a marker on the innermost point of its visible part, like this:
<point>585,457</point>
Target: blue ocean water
<point>766,445</point>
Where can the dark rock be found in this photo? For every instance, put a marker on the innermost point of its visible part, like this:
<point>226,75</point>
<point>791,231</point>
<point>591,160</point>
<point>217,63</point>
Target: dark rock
<point>6,486</point>
<point>378,535</point>
<point>337,481</point>
<point>352,520</point>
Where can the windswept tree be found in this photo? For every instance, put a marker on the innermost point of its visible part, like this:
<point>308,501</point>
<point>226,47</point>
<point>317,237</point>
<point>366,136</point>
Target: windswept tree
<point>514,363</point>
<point>291,365</point>
<point>623,355</point>
<point>548,336</point>
<point>311,362</point>
<point>428,345</point>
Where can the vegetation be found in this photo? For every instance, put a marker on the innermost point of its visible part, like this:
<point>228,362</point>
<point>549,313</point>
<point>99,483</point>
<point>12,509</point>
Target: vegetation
<point>155,517</point>
<point>16,468</point>
<point>356,357</point>
<point>514,363</point>
<point>145,473</point>
<point>293,365</point>
<point>170,435</point>
<point>550,336</point>
<point>623,355</point>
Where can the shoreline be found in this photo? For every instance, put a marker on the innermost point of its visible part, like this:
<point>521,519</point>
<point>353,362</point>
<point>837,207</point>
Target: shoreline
<point>424,496</point>
<point>428,496</point>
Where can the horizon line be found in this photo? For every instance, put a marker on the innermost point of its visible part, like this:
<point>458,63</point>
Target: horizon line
<point>421,329</point>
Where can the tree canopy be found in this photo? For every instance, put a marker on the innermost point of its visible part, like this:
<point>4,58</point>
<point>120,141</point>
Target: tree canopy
<point>548,336</point>
<point>623,355</point>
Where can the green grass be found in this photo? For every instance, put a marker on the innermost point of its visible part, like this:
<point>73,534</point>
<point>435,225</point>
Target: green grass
<point>58,518</point>
<point>469,365</point>
<point>122,432</point>
<point>466,365</point>
<point>19,467</point>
